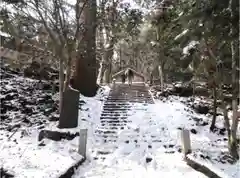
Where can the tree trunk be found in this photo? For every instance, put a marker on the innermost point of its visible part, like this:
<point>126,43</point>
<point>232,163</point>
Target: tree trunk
<point>160,70</point>
<point>226,120</point>
<point>151,79</point>
<point>235,87</point>
<point>68,74</point>
<point>108,59</point>
<point>160,58</point>
<point>101,73</point>
<point>120,58</point>
<point>112,16</point>
<point>233,148</point>
<point>194,75</point>
<point>108,73</point>
<point>233,140</point>
<point>61,82</point>
<point>225,112</point>
<point>235,80</point>
<point>101,44</point>
<point>86,73</point>
<point>212,127</point>
<point>194,84</point>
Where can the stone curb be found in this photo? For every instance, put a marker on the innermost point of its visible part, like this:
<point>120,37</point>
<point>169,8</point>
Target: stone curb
<point>71,170</point>
<point>201,168</point>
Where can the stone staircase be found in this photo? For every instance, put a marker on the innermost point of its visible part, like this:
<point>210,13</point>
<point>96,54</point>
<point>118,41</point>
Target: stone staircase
<point>119,105</point>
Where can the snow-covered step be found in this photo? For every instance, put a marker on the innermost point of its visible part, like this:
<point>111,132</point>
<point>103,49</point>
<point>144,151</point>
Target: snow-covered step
<point>118,110</point>
<point>123,102</point>
<point>114,122</point>
<point>106,116</point>
<point>113,125</point>
<point>114,115</point>
<point>114,119</point>
<point>100,131</point>
<point>109,118</point>
<point>129,99</point>
<point>132,101</point>
<point>116,105</point>
<point>124,109</point>
<point>117,113</point>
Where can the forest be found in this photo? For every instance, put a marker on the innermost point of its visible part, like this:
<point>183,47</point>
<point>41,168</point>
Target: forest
<point>185,48</point>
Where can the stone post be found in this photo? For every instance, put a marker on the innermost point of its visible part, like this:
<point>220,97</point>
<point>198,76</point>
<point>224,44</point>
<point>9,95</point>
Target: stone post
<point>186,144</point>
<point>82,142</point>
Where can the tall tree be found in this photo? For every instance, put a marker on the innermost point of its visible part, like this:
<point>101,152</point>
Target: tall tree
<point>234,31</point>
<point>85,76</point>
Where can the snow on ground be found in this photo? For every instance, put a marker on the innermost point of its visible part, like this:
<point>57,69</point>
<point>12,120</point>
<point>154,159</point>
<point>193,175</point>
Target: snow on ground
<point>222,170</point>
<point>207,147</point>
<point>153,148</point>
<point>150,146</point>
<point>90,114</point>
<point>22,157</point>
<point>26,159</point>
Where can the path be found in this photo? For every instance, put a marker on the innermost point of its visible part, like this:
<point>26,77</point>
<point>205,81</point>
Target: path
<point>122,150</point>
<point>116,110</point>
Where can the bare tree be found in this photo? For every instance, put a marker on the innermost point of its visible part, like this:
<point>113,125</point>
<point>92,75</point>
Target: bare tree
<point>61,31</point>
<point>70,36</point>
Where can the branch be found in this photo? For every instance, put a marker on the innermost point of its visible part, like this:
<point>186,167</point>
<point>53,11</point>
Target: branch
<point>78,15</point>
<point>50,32</point>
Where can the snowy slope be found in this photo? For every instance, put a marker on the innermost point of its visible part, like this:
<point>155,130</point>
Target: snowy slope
<point>26,159</point>
<point>22,157</point>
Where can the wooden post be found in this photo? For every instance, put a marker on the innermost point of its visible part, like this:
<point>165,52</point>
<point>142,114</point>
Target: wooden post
<point>186,145</point>
<point>82,142</point>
